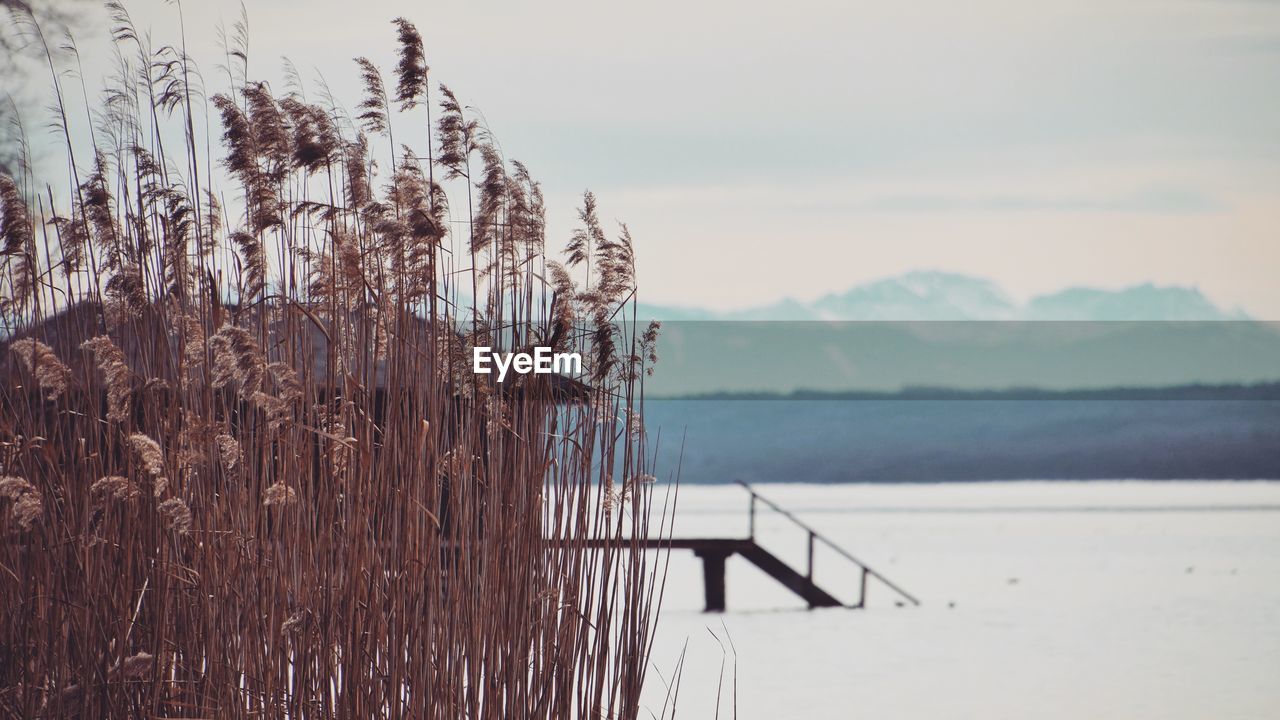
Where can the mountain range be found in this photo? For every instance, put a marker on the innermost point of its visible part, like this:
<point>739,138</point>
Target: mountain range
<point>933,296</point>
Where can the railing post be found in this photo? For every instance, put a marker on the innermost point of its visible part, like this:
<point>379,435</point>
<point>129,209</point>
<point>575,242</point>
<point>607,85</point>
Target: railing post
<point>752,515</point>
<point>713,562</point>
<point>810,571</point>
<point>862,593</point>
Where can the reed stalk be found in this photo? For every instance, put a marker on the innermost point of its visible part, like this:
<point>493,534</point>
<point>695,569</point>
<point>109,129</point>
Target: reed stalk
<point>245,467</point>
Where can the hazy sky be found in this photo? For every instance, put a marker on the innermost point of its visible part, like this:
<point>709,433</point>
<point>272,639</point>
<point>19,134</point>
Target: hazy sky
<point>759,150</point>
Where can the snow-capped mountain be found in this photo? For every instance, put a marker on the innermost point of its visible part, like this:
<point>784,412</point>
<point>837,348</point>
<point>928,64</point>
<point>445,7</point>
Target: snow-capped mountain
<point>920,296</point>
<point>930,295</point>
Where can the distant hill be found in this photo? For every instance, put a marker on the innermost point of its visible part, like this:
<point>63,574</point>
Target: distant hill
<point>769,357</point>
<point>929,296</point>
<point>1141,302</point>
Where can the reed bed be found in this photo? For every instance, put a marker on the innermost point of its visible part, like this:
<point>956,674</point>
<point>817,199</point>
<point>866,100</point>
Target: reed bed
<point>246,469</point>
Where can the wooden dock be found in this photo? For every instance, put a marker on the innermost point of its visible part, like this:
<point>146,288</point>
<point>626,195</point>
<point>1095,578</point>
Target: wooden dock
<point>714,552</point>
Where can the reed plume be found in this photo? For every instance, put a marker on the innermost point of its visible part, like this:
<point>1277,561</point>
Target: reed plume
<point>315,139</point>
<point>357,161</point>
<point>15,222</point>
<point>412,67</point>
<point>25,505</point>
<point>279,494</point>
<point>116,487</point>
<point>50,374</point>
<point>228,451</point>
<point>588,236</point>
<point>457,137</point>
<point>117,378</point>
<point>373,108</point>
<point>148,452</point>
<point>176,514</point>
<point>18,247</point>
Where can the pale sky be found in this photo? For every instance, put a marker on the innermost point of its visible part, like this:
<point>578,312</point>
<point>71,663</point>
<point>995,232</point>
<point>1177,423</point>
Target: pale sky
<point>797,148</point>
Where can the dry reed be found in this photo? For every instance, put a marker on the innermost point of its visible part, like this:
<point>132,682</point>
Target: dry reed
<point>247,471</point>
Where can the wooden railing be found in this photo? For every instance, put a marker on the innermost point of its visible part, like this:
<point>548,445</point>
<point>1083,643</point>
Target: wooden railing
<point>816,537</point>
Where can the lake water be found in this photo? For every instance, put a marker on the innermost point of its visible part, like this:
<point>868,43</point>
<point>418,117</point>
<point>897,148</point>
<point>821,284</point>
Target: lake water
<point>837,441</point>
<point>1123,600</point>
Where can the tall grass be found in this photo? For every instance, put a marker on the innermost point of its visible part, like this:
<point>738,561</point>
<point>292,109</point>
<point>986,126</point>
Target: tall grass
<point>245,467</point>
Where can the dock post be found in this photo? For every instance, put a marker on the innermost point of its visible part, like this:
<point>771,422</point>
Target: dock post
<point>713,577</point>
